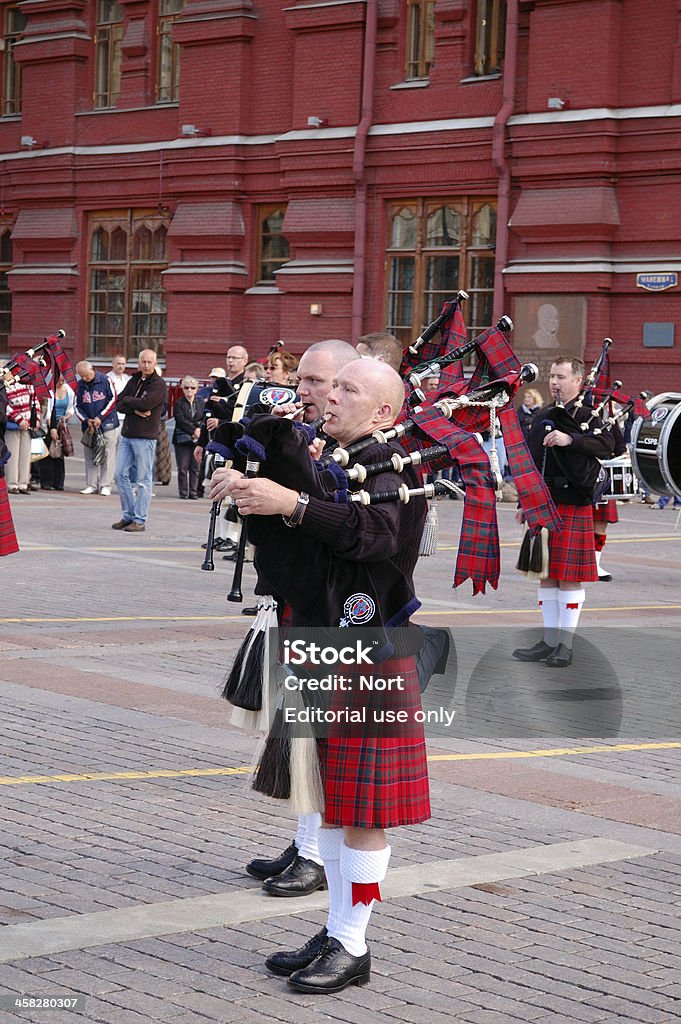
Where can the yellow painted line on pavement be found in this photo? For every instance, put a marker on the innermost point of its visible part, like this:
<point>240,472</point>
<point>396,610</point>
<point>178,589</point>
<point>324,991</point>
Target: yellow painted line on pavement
<point>533,611</point>
<point>136,618</point>
<point>554,752</point>
<point>238,618</point>
<point>611,541</point>
<point>167,773</point>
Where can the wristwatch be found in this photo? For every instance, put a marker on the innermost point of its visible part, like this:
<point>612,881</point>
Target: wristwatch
<point>296,517</point>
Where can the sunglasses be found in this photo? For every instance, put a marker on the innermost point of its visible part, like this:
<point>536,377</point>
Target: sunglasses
<point>188,387</point>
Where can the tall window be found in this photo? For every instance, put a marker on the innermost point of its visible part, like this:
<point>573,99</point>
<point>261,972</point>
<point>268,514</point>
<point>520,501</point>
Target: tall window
<point>490,34</point>
<point>14,24</point>
<point>168,77</point>
<point>436,248</point>
<point>273,248</point>
<point>420,37</point>
<point>127,312</point>
<point>5,293</point>
<point>108,52</point>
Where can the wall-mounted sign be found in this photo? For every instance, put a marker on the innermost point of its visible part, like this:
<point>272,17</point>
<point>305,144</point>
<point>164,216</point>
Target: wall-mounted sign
<point>657,282</point>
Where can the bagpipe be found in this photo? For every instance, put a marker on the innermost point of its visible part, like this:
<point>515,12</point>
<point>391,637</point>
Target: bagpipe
<point>40,367</point>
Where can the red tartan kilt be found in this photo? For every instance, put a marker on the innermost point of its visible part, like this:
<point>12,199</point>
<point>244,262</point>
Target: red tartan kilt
<point>8,538</point>
<point>606,513</point>
<point>571,550</point>
<point>378,779</point>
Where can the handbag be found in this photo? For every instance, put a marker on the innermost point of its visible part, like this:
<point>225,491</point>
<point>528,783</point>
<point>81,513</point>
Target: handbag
<point>65,437</point>
<point>38,446</point>
<point>98,447</point>
<point>55,450</point>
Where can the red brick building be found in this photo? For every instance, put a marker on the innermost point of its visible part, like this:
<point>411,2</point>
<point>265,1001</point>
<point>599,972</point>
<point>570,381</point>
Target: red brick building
<point>191,173</point>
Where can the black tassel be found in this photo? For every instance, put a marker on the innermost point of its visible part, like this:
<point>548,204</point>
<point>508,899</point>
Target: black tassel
<point>273,775</point>
<point>234,675</point>
<point>248,693</point>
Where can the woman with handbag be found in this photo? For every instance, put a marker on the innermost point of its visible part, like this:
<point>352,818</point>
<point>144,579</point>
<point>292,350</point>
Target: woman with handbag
<point>22,407</point>
<point>8,538</point>
<point>188,419</point>
<point>59,408</point>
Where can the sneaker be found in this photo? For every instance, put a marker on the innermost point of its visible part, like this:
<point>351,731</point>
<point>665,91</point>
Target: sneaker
<point>106,491</point>
<point>134,528</point>
<point>89,490</point>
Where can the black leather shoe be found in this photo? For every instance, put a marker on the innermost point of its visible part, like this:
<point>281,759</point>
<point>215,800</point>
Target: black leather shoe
<point>253,610</point>
<point>539,652</point>
<point>262,869</point>
<point>299,879</point>
<point>287,963</point>
<point>604,577</point>
<point>224,544</point>
<point>333,970</point>
<point>560,658</point>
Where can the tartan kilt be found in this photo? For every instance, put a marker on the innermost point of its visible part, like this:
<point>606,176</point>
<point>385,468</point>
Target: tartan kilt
<point>571,549</point>
<point>8,538</point>
<point>606,512</point>
<point>377,777</point>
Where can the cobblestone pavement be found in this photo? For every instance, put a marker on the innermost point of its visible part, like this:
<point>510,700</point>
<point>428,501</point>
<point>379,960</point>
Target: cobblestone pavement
<point>546,888</point>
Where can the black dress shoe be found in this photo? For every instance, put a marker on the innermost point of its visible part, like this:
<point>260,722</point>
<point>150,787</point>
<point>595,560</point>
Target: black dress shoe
<point>287,963</point>
<point>539,652</point>
<point>253,610</point>
<point>333,970</point>
<point>299,879</point>
<point>224,544</point>
<point>262,869</point>
<point>560,658</point>
<point>604,577</point>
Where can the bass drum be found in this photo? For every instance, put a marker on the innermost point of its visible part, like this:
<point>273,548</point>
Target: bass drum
<point>656,445</point>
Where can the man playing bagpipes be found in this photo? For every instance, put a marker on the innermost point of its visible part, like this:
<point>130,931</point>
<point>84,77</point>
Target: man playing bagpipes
<point>347,563</point>
<point>568,458</point>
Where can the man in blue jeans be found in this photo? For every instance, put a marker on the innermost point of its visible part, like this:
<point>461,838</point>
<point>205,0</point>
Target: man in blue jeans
<point>142,401</point>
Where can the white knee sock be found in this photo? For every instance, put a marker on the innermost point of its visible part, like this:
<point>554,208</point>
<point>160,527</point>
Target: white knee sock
<point>300,834</point>
<point>330,841</point>
<point>308,847</point>
<point>549,607</point>
<point>570,602</point>
<point>358,867</point>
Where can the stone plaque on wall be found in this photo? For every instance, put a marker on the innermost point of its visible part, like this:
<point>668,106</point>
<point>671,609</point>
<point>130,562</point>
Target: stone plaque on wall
<point>547,326</point>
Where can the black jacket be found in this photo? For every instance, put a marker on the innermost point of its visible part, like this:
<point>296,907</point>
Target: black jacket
<point>567,471</point>
<point>142,394</point>
<point>188,416</point>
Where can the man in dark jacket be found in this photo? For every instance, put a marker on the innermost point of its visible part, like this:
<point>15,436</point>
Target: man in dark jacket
<point>95,408</point>
<point>142,401</point>
<point>567,456</point>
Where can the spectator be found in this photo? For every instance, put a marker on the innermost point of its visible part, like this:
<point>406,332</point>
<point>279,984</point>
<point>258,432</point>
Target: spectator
<point>280,367</point>
<point>118,378</point>
<point>59,407</point>
<point>532,403</point>
<point>142,402</point>
<point>188,421</point>
<point>663,501</point>
<point>8,538</point>
<point>95,408</point>
<point>23,412</point>
<point>163,465</point>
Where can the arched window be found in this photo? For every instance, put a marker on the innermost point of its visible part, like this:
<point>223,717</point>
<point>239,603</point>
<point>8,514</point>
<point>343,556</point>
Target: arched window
<point>435,248</point>
<point>128,254</point>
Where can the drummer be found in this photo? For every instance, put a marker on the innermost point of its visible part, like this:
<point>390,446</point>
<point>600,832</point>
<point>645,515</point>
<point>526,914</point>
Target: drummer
<point>606,512</point>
